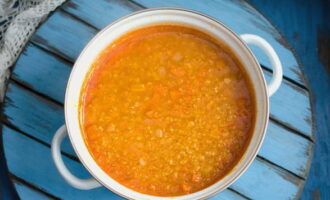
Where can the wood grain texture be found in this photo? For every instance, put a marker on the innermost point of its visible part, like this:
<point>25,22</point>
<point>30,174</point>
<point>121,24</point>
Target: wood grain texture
<point>63,35</point>
<point>305,24</point>
<point>27,193</point>
<point>286,149</point>
<point>34,115</point>
<point>25,117</point>
<point>228,195</point>
<point>108,10</point>
<point>21,160</point>
<point>261,181</point>
<point>33,70</point>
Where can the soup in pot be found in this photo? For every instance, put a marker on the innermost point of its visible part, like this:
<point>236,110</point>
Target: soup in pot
<point>167,110</point>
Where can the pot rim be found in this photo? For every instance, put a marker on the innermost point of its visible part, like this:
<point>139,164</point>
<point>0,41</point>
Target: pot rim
<point>247,162</point>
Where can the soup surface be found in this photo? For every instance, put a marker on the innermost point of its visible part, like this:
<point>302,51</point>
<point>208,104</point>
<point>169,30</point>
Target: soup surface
<point>166,110</point>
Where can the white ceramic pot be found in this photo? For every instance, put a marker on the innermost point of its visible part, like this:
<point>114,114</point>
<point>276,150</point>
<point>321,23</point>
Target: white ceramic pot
<point>164,16</point>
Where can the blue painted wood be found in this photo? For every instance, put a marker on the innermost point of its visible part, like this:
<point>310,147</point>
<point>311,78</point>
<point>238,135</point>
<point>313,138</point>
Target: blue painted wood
<point>108,10</point>
<point>34,73</point>
<point>308,31</point>
<point>33,115</point>
<point>290,105</point>
<point>24,117</point>
<point>27,193</point>
<point>261,181</point>
<point>76,35</point>
<point>287,150</point>
<point>236,14</point>
<point>295,114</point>
<point>7,189</point>
<point>22,162</point>
<point>227,195</point>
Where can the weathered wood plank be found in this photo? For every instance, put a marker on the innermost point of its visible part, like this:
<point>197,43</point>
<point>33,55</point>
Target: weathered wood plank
<point>238,15</point>
<point>27,193</point>
<point>22,162</point>
<point>308,31</point>
<point>41,122</point>
<point>32,70</point>
<point>63,35</point>
<point>287,150</point>
<point>227,195</point>
<point>107,10</point>
<point>35,165</point>
<point>31,114</point>
<point>290,105</point>
<point>261,181</point>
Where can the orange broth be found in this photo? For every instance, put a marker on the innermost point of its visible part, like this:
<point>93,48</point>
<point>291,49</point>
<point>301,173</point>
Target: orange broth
<point>167,110</point>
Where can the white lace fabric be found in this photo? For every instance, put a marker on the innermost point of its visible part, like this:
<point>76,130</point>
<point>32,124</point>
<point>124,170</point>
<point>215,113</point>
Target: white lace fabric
<point>18,21</point>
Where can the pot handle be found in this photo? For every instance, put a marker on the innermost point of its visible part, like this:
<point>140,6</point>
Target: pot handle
<point>275,83</point>
<point>83,184</point>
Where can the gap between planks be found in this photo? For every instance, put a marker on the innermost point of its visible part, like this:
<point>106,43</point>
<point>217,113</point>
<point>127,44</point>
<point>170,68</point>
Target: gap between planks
<point>18,180</point>
<point>10,125</point>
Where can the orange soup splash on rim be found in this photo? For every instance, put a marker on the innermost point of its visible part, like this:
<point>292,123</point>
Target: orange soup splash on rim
<point>167,110</point>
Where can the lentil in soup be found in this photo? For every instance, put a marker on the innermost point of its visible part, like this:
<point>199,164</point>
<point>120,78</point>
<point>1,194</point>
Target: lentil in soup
<point>167,110</point>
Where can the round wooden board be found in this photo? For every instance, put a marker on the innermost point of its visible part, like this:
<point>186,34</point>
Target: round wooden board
<point>33,106</point>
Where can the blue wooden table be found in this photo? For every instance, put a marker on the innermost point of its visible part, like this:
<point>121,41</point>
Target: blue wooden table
<point>33,106</point>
